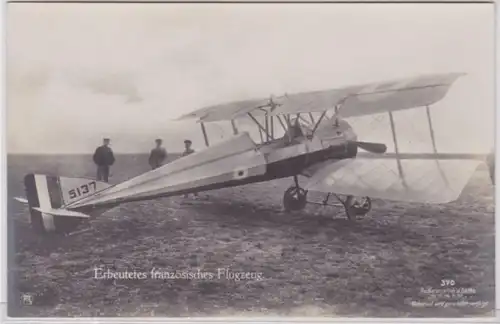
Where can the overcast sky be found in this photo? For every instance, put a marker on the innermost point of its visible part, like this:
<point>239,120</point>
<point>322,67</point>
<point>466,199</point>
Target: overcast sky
<point>79,72</point>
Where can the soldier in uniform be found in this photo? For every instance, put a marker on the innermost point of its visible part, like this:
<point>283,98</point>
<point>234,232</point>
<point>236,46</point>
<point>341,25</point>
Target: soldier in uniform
<point>188,150</point>
<point>158,155</point>
<point>104,159</point>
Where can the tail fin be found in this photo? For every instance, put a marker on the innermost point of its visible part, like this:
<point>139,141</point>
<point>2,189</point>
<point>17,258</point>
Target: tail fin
<point>47,196</point>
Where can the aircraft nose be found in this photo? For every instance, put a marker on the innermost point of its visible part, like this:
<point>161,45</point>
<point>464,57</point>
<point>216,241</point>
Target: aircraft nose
<point>350,135</point>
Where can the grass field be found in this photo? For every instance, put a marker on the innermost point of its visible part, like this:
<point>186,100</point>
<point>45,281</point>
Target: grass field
<point>313,263</point>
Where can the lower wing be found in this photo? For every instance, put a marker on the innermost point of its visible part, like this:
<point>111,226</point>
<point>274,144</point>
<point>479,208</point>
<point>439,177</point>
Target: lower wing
<point>423,178</point>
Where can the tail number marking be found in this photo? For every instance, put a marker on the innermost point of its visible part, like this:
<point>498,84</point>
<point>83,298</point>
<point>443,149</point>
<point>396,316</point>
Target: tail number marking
<point>82,190</point>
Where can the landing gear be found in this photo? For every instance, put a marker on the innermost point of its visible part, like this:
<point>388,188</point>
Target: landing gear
<point>355,206</point>
<point>295,197</point>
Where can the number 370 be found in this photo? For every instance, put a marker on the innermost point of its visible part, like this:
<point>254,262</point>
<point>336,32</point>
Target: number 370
<point>82,190</point>
<point>447,282</point>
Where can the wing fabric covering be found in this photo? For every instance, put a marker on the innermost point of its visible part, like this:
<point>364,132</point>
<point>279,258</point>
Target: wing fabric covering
<point>371,98</point>
<point>226,111</point>
<point>355,100</point>
<point>423,164</point>
<point>423,181</point>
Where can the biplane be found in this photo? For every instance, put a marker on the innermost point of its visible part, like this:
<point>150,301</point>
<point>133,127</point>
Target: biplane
<point>317,143</point>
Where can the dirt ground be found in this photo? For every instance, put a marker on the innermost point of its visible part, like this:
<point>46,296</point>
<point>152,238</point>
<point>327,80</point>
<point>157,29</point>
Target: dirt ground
<point>310,263</point>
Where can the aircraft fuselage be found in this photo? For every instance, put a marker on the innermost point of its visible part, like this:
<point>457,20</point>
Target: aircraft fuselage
<point>235,162</point>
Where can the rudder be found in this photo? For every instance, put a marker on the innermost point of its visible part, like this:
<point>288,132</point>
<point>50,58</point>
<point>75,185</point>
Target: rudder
<point>45,192</point>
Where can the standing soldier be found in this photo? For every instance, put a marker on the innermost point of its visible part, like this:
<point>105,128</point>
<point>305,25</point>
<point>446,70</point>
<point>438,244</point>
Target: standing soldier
<point>188,150</point>
<point>157,156</point>
<point>103,158</point>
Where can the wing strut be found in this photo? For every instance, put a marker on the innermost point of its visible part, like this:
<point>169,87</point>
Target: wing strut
<point>235,130</point>
<point>319,121</point>
<point>304,119</point>
<point>204,133</point>
<point>312,118</point>
<point>396,149</point>
<point>257,122</point>
<point>267,128</point>
<point>272,127</point>
<point>289,126</point>
<point>281,122</point>
<point>429,120</point>
<point>261,128</point>
<point>433,139</point>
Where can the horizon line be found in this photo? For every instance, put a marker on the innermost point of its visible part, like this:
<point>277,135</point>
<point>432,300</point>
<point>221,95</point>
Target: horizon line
<point>81,153</point>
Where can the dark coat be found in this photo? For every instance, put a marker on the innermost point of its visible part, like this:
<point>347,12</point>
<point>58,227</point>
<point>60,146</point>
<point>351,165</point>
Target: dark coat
<point>187,152</point>
<point>157,157</point>
<point>103,156</point>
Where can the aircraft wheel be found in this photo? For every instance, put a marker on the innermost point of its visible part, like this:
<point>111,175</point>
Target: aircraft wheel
<point>295,198</point>
<point>357,206</point>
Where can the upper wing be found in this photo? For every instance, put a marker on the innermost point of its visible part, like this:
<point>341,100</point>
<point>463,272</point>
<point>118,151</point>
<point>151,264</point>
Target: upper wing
<point>354,100</point>
<point>371,98</point>
<point>226,111</point>
<point>423,179</point>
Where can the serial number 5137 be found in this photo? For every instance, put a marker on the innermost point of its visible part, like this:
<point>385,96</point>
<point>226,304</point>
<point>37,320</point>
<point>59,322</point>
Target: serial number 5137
<point>82,190</point>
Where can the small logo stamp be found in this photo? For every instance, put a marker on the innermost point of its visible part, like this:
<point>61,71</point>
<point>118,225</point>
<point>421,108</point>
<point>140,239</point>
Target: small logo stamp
<point>27,299</point>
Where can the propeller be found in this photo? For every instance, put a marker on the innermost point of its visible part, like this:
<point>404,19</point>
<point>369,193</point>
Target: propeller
<point>378,148</point>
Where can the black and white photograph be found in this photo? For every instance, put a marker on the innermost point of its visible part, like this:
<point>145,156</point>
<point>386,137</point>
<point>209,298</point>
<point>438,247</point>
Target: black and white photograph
<point>172,160</point>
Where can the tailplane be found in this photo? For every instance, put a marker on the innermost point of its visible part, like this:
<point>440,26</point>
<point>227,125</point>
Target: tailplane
<point>47,197</point>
